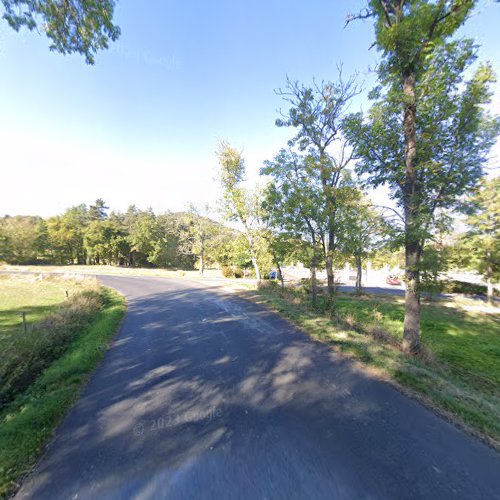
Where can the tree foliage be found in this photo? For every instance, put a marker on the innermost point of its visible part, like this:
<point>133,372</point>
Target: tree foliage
<point>479,247</point>
<point>238,203</point>
<point>73,26</point>
<point>136,238</point>
<point>294,206</point>
<point>428,133</point>
<point>22,239</point>
<point>363,231</point>
<point>317,113</point>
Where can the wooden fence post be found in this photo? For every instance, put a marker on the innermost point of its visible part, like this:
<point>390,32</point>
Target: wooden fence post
<point>25,328</point>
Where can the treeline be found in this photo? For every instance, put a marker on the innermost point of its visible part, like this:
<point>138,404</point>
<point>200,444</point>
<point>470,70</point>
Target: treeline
<point>135,238</point>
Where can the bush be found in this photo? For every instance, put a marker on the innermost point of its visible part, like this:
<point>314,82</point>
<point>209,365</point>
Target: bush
<point>227,272</point>
<point>27,354</point>
<point>232,272</point>
<point>268,285</point>
<point>453,286</point>
<point>305,285</point>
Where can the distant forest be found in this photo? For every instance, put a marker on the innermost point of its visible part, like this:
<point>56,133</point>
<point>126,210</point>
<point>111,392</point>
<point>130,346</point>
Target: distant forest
<point>135,238</point>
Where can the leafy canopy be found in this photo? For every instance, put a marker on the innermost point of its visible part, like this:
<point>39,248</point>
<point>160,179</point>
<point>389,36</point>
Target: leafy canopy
<point>454,134</point>
<point>73,26</point>
<point>479,248</point>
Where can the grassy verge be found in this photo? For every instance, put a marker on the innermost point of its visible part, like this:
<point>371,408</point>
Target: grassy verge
<point>458,373</point>
<point>31,414</point>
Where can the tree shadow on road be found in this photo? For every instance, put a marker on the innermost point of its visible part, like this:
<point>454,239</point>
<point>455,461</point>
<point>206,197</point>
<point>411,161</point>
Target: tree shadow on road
<point>209,393</point>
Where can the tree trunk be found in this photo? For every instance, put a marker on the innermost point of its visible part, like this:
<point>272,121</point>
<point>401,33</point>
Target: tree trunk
<point>252,253</point>
<point>314,283</point>
<point>489,284</point>
<point>330,203</point>
<point>202,259</point>
<point>330,274</point>
<point>411,332</point>
<point>359,274</point>
<point>331,239</point>
<point>279,272</point>
<point>255,265</point>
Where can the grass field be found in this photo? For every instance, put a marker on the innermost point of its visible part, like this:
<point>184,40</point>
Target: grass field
<point>45,367</point>
<point>458,373</point>
<point>31,295</point>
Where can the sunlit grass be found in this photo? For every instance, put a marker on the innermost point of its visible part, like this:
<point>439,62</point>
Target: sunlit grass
<point>31,295</point>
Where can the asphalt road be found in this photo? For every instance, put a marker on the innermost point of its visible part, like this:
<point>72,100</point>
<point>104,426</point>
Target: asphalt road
<point>206,395</point>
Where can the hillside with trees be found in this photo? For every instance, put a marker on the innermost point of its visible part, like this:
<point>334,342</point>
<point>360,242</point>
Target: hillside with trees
<point>92,234</point>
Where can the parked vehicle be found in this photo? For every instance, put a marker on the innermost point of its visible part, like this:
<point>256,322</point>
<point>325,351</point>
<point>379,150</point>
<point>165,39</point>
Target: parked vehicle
<point>393,280</point>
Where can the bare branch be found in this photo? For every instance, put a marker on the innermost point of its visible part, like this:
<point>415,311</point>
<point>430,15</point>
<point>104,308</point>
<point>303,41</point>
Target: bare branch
<point>390,209</point>
<point>363,14</point>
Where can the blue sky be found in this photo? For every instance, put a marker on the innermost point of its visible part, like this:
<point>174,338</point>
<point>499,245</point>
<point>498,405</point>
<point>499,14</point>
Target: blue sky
<point>142,125</point>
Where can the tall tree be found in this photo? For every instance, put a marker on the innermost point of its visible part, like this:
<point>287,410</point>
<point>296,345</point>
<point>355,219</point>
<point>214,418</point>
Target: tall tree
<point>145,238</point>
<point>99,210</point>
<point>66,233</point>
<point>427,134</point>
<point>23,239</point>
<point>479,248</point>
<point>73,26</point>
<point>239,204</point>
<point>200,232</point>
<point>317,113</point>
<point>362,231</point>
<point>293,205</point>
<point>105,242</point>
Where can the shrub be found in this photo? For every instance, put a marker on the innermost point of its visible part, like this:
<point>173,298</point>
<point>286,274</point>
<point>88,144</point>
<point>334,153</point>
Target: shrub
<point>453,286</point>
<point>268,285</point>
<point>232,272</point>
<point>25,355</point>
<point>227,272</point>
<point>263,284</point>
<point>305,285</point>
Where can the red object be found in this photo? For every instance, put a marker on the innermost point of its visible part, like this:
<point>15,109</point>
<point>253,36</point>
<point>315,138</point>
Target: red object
<point>393,280</point>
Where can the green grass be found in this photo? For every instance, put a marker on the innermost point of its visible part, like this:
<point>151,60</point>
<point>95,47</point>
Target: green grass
<point>28,421</point>
<point>31,295</point>
<point>28,350</point>
<point>458,373</point>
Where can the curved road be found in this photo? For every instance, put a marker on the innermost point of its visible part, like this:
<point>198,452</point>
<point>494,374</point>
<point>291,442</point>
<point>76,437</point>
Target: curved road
<point>207,395</point>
